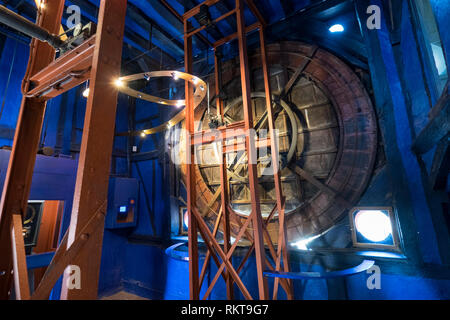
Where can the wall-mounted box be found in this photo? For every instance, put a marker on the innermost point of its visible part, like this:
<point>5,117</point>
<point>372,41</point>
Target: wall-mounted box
<point>122,203</point>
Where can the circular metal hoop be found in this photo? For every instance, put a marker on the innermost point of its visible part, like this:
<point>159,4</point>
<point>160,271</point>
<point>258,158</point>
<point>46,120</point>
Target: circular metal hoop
<point>199,84</point>
<point>200,90</point>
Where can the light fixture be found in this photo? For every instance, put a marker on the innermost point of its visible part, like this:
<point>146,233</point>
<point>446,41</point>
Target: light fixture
<point>373,227</point>
<point>203,16</point>
<point>119,83</point>
<point>336,28</point>
<point>40,4</point>
<point>180,103</point>
<point>186,219</point>
<point>175,76</point>
<point>303,244</point>
<point>86,93</point>
<point>195,81</point>
<point>143,134</point>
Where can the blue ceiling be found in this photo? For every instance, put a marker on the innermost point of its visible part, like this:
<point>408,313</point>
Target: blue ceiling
<point>306,20</point>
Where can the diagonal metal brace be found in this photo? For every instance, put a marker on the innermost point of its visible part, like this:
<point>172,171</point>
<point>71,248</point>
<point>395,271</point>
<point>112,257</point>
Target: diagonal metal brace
<point>64,255</point>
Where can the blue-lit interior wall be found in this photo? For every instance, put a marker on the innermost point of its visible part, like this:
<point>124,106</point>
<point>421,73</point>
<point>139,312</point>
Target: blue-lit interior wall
<point>134,259</point>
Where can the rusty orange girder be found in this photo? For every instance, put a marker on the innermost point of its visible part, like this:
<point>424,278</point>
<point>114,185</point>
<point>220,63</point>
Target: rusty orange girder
<point>98,59</point>
<point>238,131</point>
<point>65,73</point>
<point>21,163</point>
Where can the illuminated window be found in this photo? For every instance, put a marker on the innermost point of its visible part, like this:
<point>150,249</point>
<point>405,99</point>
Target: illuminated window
<point>430,42</point>
<point>374,227</point>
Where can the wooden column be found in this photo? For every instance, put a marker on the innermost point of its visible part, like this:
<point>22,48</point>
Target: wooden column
<point>91,190</point>
<point>26,143</point>
<point>251,152</point>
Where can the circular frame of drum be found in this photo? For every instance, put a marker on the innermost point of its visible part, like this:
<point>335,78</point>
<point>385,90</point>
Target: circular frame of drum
<point>355,160</point>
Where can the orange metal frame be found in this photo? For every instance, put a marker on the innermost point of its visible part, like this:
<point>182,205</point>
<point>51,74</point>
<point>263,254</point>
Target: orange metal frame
<point>97,60</point>
<point>222,256</point>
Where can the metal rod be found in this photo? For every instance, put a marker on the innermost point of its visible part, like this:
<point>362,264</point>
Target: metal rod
<point>19,23</point>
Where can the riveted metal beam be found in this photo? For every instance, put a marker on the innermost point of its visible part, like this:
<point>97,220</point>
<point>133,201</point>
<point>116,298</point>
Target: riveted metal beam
<point>26,142</point>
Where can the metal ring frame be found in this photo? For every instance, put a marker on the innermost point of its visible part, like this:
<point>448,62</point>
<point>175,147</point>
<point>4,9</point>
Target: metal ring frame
<point>199,94</point>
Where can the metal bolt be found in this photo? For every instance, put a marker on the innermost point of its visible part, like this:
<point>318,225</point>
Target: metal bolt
<point>84,236</point>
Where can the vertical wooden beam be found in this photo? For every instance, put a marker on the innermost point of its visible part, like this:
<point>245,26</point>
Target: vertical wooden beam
<point>223,178</point>
<point>21,285</point>
<point>26,142</point>
<point>91,188</point>
<point>194,286</point>
<point>251,152</point>
<point>282,241</point>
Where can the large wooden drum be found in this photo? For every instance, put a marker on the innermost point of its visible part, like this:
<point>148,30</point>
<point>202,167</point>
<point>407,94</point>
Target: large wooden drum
<point>327,137</point>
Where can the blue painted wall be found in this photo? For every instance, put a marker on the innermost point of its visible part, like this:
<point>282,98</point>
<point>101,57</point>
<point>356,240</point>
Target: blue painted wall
<point>12,70</point>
